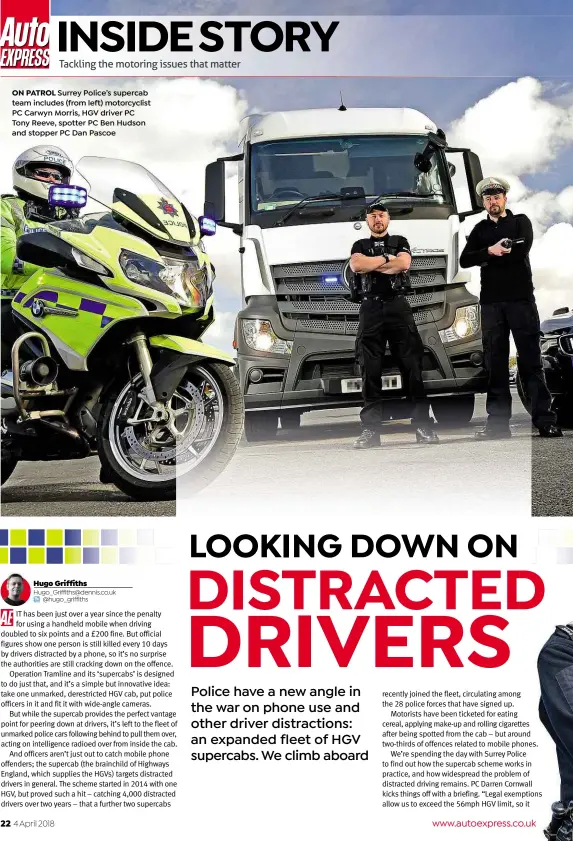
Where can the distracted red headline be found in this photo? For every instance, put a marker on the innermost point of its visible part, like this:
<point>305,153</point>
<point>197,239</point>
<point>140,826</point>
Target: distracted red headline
<point>288,616</point>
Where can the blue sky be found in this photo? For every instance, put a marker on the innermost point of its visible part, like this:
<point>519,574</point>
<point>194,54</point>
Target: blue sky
<point>509,39</point>
<point>311,7</point>
<point>444,100</point>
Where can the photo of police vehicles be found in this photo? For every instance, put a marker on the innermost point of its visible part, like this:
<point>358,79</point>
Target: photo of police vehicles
<point>305,180</point>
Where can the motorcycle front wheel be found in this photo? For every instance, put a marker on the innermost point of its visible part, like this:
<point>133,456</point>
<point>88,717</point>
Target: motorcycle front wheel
<point>146,457</point>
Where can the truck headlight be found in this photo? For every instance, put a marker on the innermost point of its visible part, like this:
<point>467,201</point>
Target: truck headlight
<point>259,335</point>
<point>466,324</point>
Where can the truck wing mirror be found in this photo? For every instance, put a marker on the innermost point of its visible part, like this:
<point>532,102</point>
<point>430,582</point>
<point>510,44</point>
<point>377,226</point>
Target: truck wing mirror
<point>464,180</point>
<point>215,193</point>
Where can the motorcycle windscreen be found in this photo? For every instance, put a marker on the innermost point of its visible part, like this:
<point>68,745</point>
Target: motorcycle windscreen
<point>137,196</point>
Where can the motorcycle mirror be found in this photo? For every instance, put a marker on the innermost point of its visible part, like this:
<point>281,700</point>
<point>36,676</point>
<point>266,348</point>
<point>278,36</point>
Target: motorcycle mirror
<point>207,226</point>
<point>566,345</point>
<point>45,249</point>
<point>67,195</point>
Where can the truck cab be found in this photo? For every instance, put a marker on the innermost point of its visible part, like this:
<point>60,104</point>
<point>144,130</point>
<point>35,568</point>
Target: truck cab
<point>305,179</point>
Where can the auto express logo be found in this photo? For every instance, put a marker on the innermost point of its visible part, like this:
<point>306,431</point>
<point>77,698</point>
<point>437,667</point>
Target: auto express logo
<point>25,35</point>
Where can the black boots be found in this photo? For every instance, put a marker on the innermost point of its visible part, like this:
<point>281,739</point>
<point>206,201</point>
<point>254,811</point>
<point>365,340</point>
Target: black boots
<point>549,430</point>
<point>426,435</point>
<point>493,433</point>
<point>368,438</point>
<point>371,438</point>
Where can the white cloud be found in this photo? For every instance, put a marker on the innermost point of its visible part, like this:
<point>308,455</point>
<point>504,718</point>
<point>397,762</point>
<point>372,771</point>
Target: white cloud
<point>518,131</point>
<point>552,269</point>
<point>515,130</point>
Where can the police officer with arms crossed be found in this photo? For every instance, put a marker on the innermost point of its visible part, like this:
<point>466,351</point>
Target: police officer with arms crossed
<point>33,173</point>
<point>381,263</point>
<point>500,245</point>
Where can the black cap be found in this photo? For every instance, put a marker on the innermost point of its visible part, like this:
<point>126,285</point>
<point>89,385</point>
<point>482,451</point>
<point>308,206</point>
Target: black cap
<point>376,206</point>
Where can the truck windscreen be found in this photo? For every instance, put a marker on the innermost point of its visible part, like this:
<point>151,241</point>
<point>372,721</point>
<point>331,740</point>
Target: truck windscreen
<point>284,172</point>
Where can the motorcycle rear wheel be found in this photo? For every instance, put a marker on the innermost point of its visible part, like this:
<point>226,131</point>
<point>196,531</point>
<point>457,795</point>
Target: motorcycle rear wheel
<point>145,461</point>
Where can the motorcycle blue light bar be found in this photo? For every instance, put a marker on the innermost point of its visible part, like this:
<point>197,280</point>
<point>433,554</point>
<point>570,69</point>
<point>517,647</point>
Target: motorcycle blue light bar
<point>67,195</point>
<point>207,226</point>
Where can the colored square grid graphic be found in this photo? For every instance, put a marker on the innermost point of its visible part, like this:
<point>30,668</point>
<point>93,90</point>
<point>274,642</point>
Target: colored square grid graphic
<point>78,546</point>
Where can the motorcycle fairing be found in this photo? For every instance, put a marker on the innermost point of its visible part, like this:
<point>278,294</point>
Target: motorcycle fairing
<point>191,347</point>
<point>74,315</point>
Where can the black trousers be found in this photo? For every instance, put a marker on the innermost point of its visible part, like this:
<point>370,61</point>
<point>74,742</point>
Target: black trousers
<point>555,667</point>
<point>389,322</point>
<point>522,320</point>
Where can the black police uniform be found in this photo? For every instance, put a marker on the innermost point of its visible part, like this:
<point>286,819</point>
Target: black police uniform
<point>555,668</point>
<point>508,305</point>
<point>386,317</point>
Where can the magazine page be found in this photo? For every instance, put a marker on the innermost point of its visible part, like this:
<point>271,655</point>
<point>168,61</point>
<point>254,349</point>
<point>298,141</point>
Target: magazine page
<point>287,420</point>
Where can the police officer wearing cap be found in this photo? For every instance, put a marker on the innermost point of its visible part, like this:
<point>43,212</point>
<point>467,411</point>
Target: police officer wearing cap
<point>500,245</point>
<point>380,264</point>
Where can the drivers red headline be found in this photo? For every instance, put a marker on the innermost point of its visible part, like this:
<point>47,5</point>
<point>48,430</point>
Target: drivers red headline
<point>424,633</point>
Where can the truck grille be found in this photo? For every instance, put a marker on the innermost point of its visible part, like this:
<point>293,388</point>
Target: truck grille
<point>308,304</point>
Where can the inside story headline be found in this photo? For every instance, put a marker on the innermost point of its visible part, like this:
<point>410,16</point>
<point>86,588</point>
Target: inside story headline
<point>211,36</point>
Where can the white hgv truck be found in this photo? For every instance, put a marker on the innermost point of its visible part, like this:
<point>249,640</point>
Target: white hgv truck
<point>305,179</point>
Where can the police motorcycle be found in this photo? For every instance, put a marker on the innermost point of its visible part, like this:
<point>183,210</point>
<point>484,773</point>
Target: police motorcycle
<point>109,358</point>
<point>557,357</point>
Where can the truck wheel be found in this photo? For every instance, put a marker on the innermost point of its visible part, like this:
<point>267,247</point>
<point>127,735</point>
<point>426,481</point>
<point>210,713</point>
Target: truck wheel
<point>455,410</point>
<point>261,426</point>
<point>291,419</point>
